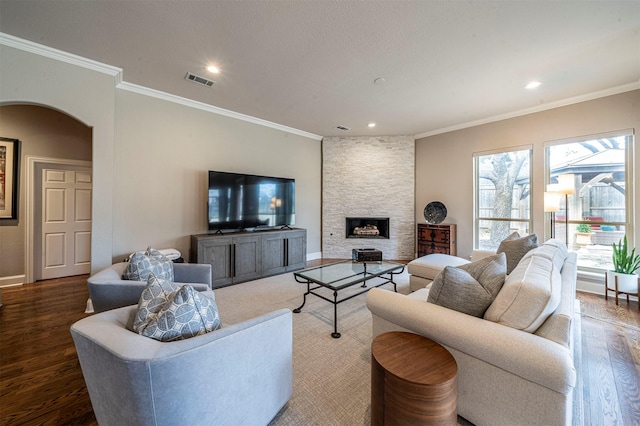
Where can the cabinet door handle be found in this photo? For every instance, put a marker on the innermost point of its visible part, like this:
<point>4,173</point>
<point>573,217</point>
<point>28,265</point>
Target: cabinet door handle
<point>285,261</point>
<point>232,260</point>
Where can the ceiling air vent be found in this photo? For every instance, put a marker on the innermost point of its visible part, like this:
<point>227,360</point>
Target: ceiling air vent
<point>198,79</point>
<point>343,128</point>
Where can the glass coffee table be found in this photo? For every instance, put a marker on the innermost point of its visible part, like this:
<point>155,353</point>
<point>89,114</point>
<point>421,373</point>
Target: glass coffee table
<point>341,275</point>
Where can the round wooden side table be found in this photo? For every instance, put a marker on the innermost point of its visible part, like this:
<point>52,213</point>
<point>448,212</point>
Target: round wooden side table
<point>413,381</point>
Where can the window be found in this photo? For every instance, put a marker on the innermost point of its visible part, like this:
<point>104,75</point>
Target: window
<point>502,195</point>
<point>596,210</point>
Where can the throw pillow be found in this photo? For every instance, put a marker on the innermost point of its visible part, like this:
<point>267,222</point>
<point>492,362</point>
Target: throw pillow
<point>515,248</point>
<point>169,313</point>
<point>153,297</point>
<point>142,264</point>
<point>155,254</point>
<point>469,288</point>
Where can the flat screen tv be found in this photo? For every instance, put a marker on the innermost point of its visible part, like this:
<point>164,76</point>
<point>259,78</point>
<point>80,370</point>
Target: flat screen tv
<point>247,202</point>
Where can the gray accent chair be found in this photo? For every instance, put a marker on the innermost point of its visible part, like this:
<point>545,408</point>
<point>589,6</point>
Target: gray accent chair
<point>108,290</point>
<point>241,374</point>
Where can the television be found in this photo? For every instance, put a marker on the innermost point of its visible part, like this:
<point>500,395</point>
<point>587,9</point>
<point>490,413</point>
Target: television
<point>249,202</point>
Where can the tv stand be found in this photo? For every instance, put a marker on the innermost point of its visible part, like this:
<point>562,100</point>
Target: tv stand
<point>237,257</point>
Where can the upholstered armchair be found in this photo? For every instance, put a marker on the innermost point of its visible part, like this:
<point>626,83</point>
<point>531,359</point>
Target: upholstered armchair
<point>108,290</point>
<point>240,374</point>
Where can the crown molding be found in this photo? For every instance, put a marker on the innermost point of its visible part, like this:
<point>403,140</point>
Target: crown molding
<point>544,107</point>
<point>59,55</point>
<point>130,87</point>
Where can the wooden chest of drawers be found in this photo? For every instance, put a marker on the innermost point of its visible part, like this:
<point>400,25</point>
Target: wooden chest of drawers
<point>436,239</point>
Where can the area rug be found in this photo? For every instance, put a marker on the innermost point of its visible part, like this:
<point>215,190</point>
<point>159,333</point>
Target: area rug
<point>331,377</point>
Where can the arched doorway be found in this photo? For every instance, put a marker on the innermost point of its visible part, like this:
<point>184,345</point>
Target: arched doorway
<point>51,140</point>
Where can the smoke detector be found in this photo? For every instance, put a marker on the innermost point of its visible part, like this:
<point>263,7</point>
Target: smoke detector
<point>198,79</point>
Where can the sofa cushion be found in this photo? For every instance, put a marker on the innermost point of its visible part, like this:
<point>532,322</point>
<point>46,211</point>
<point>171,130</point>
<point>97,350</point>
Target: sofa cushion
<point>166,312</point>
<point>142,264</point>
<point>515,247</point>
<point>431,265</point>
<point>529,295</point>
<point>469,288</point>
<point>554,250</point>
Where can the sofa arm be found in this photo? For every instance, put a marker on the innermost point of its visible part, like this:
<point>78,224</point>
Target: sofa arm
<point>239,374</point>
<point>192,273</point>
<point>108,290</point>
<point>523,354</point>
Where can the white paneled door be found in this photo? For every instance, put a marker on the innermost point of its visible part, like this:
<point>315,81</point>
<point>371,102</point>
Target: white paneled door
<point>65,247</point>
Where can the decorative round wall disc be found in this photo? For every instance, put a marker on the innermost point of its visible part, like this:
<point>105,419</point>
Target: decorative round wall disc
<point>435,212</point>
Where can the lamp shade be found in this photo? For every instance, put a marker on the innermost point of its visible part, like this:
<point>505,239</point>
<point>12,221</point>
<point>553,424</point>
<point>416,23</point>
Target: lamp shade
<point>551,201</point>
<point>553,187</point>
<point>567,183</point>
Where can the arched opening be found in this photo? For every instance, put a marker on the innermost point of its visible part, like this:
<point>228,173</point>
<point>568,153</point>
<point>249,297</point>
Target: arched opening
<point>50,140</point>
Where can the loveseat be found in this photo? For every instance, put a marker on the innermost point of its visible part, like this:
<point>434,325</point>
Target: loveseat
<point>108,290</point>
<point>506,375</point>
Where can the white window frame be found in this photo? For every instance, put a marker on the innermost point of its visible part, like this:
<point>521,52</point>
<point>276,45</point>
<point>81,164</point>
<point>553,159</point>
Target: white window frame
<point>628,224</point>
<point>476,191</point>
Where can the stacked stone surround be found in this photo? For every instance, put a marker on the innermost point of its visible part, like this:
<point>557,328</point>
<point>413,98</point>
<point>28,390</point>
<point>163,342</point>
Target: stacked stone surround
<point>368,177</point>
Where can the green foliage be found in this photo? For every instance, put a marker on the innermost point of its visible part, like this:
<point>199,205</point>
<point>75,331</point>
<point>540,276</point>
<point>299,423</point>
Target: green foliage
<point>583,228</point>
<point>623,261</point>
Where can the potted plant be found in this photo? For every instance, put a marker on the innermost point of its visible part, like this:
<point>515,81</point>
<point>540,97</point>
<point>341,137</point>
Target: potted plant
<point>625,264</point>
<point>583,234</point>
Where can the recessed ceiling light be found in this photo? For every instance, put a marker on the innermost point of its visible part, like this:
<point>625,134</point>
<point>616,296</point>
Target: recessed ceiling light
<point>372,124</point>
<point>213,69</point>
<point>532,85</point>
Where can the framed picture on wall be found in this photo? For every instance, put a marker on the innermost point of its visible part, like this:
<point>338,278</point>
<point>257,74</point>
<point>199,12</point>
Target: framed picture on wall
<point>9,180</point>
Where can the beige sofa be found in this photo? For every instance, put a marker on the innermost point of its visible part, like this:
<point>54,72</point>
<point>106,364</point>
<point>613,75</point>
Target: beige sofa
<point>506,376</point>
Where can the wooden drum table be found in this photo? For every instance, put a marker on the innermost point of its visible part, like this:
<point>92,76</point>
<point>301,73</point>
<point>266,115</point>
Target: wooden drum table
<point>413,381</point>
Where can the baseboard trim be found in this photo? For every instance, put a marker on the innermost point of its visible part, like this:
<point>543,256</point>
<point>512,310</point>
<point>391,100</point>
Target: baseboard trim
<point>597,287</point>
<point>314,256</point>
<point>12,281</point>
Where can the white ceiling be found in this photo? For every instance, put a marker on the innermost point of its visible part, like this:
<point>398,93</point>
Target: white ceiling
<point>310,65</point>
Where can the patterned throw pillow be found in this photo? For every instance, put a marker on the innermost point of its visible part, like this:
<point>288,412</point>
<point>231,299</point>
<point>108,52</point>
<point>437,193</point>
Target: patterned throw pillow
<point>515,248</point>
<point>141,265</point>
<point>469,288</point>
<point>168,313</point>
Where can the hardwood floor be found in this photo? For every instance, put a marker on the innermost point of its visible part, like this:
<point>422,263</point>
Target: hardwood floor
<point>41,382</point>
<point>40,378</point>
<point>610,361</point>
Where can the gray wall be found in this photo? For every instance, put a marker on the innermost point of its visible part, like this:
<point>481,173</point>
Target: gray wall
<point>150,155</point>
<point>163,151</point>
<point>444,163</point>
<point>32,74</point>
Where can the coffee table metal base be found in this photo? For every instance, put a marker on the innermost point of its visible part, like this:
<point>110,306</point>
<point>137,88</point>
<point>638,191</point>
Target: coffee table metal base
<point>335,301</point>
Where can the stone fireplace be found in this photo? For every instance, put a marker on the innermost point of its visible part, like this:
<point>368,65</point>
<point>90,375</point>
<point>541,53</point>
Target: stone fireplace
<point>367,227</point>
<point>368,178</point>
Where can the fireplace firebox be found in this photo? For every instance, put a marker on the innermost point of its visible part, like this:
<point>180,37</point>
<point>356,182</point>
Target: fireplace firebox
<point>367,227</point>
